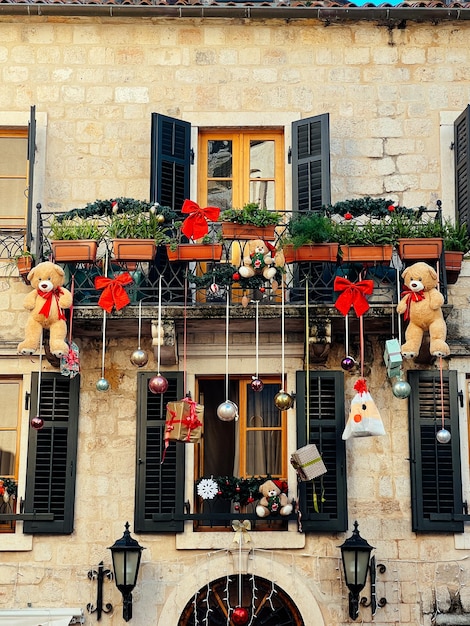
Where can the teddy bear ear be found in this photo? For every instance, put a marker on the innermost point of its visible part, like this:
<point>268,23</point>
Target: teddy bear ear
<point>59,270</point>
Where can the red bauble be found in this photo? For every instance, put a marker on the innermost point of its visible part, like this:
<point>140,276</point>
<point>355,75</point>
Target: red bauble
<point>158,384</point>
<point>262,289</point>
<point>240,616</point>
<point>257,384</point>
<point>37,423</point>
<point>236,276</point>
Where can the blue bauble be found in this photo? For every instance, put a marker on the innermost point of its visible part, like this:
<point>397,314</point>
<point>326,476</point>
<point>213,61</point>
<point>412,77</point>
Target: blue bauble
<point>401,389</point>
<point>102,385</point>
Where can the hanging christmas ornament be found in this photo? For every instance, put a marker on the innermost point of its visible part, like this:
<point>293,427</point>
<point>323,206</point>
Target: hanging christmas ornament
<point>282,399</point>
<point>442,435</point>
<point>139,357</point>
<point>401,389</point>
<point>348,363</point>
<point>37,422</point>
<point>240,616</point>
<point>158,383</point>
<point>228,410</point>
<point>257,384</point>
<point>214,288</point>
<point>102,384</point>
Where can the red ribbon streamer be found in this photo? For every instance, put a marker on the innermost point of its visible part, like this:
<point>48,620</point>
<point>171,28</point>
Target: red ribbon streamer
<point>114,293</point>
<point>411,296</point>
<point>353,295</point>
<point>195,225</point>
<point>361,386</point>
<point>48,296</point>
<point>191,422</point>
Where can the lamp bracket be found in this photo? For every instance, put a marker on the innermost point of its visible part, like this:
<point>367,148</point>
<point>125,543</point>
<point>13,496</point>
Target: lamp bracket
<point>99,576</point>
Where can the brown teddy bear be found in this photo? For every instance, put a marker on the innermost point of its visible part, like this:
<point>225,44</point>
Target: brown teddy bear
<point>421,304</point>
<point>46,304</point>
<point>258,259</point>
<point>273,500</point>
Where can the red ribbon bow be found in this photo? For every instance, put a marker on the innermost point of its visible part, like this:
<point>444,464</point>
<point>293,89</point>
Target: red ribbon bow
<point>114,293</point>
<point>48,296</point>
<point>195,225</point>
<point>411,296</point>
<point>353,295</point>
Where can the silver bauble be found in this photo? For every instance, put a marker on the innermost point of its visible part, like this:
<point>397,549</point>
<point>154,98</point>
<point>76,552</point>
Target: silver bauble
<point>102,385</point>
<point>283,400</point>
<point>139,358</point>
<point>401,389</point>
<point>227,411</point>
<point>443,436</point>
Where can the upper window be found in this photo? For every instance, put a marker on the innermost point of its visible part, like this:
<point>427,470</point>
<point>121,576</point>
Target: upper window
<point>13,176</point>
<point>238,167</point>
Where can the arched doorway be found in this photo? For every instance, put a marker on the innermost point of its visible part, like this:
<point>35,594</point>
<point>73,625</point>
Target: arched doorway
<point>265,602</point>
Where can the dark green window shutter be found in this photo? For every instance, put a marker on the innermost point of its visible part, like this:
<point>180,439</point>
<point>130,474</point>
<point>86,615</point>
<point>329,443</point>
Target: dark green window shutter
<point>31,159</point>
<point>436,483</point>
<point>325,428</point>
<point>52,453</point>
<point>159,486</point>
<point>462,167</point>
<point>311,163</point>
<point>170,161</point>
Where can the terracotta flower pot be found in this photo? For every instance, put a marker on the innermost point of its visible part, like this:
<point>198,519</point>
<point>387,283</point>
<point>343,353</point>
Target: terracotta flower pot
<point>453,264</point>
<point>134,249</point>
<point>195,252</point>
<point>65,251</point>
<point>420,249</point>
<point>366,253</point>
<point>232,230</point>
<point>313,252</point>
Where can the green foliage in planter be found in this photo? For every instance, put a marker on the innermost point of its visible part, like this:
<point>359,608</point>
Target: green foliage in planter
<point>138,225</point>
<point>75,228</point>
<point>222,274</point>
<point>376,233</point>
<point>308,228</point>
<point>372,207</point>
<point>456,238</point>
<point>251,214</point>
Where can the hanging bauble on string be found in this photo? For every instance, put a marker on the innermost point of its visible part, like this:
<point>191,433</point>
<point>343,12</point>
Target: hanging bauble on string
<point>214,288</point>
<point>348,363</point>
<point>401,389</point>
<point>227,411</point>
<point>160,218</point>
<point>257,384</point>
<point>443,435</point>
<point>240,616</point>
<point>158,384</point>
<point>37,422</point>
<point>102,385</point>
<point>139,358</point>
<point>283,400</point>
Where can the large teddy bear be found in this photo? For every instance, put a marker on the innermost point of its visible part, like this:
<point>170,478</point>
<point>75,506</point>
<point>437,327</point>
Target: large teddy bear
<point>258,259</point>
<point>273,500</point>
<point>46,304</point>
<point>421,304</point>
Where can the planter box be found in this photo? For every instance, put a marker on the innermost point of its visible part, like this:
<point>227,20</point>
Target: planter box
<point>195,252</point>
<point>134,249</point>
<point>420,249</point>
<point>366,253</point>
<point>83,250</point>
<point>314,252</point>
<point>453,263</point>
<point>231,230</point>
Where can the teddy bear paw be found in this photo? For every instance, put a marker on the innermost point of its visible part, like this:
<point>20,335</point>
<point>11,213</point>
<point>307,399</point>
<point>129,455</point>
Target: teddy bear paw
<point>26,351</point>
<point>439,348</point>
<point>261,511</point>
<point>286,509</point>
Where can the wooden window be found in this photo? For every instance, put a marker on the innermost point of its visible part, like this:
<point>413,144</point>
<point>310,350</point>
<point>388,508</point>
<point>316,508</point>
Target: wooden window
<point>436,481</point>
<point>10,413</point>
<point>241,166</point>
<point>321,420</point>
<point>13,176</point>
<point>52,453</point>
<point>462,167</point>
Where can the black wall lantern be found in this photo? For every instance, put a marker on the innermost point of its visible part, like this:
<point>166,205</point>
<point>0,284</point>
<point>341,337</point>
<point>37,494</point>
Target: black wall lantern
<point>355,553</point>
<point>126,553</point>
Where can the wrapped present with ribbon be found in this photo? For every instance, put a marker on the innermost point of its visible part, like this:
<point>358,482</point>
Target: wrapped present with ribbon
<point>184,420</point>
<point>392,357</point>
<point>307,462</point>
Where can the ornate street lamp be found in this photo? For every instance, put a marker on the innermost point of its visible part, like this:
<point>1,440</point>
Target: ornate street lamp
<point>126,553</point>
<point>355,553</point>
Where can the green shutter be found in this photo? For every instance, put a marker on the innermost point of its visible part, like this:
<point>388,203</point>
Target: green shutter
<point>325,429</point>
<point>159,486</point>
<point>311,163</point>
<point>52,454</point>
<point>31,160</point>
<point>462,166</point>
<point>170,161</point>
<point>436,482</point>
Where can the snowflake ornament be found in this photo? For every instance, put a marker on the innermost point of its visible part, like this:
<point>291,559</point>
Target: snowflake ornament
<point>207,489</point>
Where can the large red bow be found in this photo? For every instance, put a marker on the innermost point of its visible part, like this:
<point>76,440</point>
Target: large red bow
<point>411,296</point>
<point>114,293</point>
<point>353,295</point>
<point>48,296</point>
<point>195,225</point>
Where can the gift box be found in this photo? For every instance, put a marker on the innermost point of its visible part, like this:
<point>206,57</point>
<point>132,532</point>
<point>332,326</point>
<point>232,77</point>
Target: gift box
<point>392,358</point>
<point>307,462</point>
<point>184,420</point>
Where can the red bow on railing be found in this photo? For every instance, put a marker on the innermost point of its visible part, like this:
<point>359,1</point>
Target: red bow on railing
<point>114,293</point>
<point>411,296</point>
<point>353,295</point>
<point>48,296</point>
<point>195,225</point>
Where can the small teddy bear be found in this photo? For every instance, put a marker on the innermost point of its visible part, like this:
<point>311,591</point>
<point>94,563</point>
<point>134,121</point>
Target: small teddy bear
<point>273,500</point>
<point>259,259</point>
<point>46,304</point>
<point>421,304</point>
